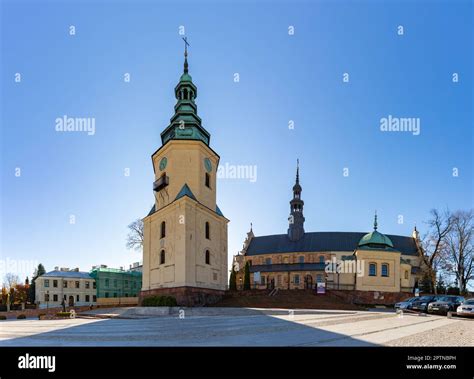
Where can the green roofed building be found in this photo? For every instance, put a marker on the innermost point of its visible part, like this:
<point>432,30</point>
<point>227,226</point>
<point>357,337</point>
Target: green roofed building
<point>113,282</point>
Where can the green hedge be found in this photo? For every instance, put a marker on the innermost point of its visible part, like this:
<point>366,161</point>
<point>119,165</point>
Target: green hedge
<point>2,317</point>
<point>159,301</point>
<point>21,317</point>
<point>64,314</point>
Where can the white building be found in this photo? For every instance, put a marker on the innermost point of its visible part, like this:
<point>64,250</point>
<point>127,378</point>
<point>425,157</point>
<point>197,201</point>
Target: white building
<point>78,288</point>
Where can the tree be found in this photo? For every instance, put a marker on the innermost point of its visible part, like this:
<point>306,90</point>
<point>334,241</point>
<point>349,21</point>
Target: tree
<point>247,276</point>
<point>135,236</point>
<point>10,281</point>
<point>440,285</point>
<point>233,280</point>
<point>433,245</point>
<point>459,248</point>
<point>40,270</point>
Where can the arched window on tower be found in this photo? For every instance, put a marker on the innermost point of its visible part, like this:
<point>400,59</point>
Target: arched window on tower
<point>163,230</point>
<point>208,257</point>
<point>208,180</point>
<point>208,230</point>
<point>162,257</point>
<point>185,94</point>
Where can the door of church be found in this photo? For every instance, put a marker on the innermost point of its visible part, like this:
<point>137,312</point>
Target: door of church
<point>308,282</point>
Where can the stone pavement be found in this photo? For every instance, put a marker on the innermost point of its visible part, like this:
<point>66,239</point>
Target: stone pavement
<point>241,327</point>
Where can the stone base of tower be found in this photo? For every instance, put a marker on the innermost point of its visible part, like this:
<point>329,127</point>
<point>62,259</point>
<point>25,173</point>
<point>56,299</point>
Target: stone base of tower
<point>186,296</point>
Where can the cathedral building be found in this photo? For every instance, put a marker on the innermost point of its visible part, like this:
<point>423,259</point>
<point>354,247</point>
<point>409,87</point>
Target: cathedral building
<point>341,260</point>
<point>185,233</point>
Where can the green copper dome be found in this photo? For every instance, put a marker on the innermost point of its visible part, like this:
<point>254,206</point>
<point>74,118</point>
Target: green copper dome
<point>186,78</point>
<point>375,238</point>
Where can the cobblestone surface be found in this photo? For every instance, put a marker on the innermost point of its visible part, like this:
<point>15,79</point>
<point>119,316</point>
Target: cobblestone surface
<point>225,328</point>
<point>460,333</point>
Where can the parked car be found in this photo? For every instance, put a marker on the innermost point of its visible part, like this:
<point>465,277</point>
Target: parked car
<point>445,304</point>
<point>466,308</point>
<point>421,304</point>
<point>405,303</point>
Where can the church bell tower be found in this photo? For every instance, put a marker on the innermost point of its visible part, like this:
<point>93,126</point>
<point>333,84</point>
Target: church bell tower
<point>185,233</point>
<point>296,219</point>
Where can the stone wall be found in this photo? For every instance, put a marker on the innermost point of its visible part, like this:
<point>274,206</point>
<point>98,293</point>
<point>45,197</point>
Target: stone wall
<point>36,312</point>
<point>186,296</point>
<point>371,297</point>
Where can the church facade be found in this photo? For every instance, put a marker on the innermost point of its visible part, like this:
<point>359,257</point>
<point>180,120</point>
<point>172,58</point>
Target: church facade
<point>341,260</point>
<point>185,233</point>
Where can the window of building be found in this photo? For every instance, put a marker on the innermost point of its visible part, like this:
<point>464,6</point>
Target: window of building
<point>134,284</point>
<point>88,285</point>
<point>208,257</point>
<point>208,231</point>
<point>115,294</point>
<point>55,297</point>
<point>94,298</point>
<point>163,230</point>
<point>88,298</point>
<point>385,269</point>
<point>301,259</point>
<point>77,298</point>
<point>162,257</point>
<point>115,283</point>
<point>406,274</point>
<point>279,280</point>
<point>94,285</point>
<point>297,279</point>
<point>319,278</point>
<point>106,294</point>
<point>268,261</point>
<point>107,282</point>
<point>263,280</point>
<point>214,276</point>
<point>46,297</point>
<point>64,283</point>
<point>126,283</point>
<point>372,269</point>
<point>77,284</point>
<point>208,180</point>
<point>46,282</point>
<point>321,259</point>
<point>55,283</point>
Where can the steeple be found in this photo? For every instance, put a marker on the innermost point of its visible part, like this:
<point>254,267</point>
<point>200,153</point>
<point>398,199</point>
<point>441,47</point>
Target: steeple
<point>375,221</point>
<point>185,123</point>
<point>296,219</point>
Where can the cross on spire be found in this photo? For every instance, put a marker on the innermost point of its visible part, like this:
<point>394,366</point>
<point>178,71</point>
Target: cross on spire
<point>186,44</point>
<point>375,220</point>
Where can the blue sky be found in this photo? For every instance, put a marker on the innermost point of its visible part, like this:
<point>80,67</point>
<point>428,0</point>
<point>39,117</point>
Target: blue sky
<point>282,77</point>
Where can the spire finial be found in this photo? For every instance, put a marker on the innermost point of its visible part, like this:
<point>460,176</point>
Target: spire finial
<point>251,226</point>
<point>297,170</point>
<point>186,44</point>
<point>375,220</point>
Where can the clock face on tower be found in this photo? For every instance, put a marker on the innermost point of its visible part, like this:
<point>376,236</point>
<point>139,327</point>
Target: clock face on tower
<point>208,164</point>
<point>163,163</point>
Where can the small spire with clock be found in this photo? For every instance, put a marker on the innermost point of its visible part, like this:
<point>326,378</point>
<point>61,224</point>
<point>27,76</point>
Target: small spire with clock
<point>296,219</point>
<point>185,123</point>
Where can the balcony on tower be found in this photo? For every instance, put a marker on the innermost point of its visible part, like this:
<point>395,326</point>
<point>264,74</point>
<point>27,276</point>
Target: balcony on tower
<point>161,183</point>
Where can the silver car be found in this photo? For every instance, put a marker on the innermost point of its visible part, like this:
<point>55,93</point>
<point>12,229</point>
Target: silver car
<point>466,308</point>
<point>404,304</point>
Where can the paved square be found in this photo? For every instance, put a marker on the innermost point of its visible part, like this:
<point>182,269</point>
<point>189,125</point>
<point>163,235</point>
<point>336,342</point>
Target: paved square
<point>243,327</point>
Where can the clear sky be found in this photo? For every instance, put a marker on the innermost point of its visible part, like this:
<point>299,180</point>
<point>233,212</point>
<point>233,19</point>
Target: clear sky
<point>283,77</point>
